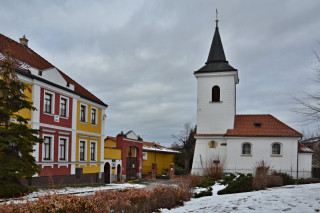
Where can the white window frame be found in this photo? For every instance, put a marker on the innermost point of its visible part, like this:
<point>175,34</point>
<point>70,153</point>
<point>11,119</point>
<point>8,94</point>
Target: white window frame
<point>243,154</point>
<point>96,116</point>
<point>281,148</point>
<point>67,107</point>
<point>51,148</point>
<point>66,148</point>
<point>52,102</point>
<point>85,150</point>
<point>86,113</point>
<point>95,150</point>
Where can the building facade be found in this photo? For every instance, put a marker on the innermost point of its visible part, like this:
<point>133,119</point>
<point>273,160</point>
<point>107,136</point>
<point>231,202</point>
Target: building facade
<point>69,117</point>
<point>239,142</point>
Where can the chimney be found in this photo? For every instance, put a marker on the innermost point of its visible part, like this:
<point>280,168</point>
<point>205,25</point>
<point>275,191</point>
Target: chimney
<point>24,41</point>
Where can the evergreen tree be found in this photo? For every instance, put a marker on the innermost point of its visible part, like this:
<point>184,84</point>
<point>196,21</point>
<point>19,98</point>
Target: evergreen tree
<point>16,138</point>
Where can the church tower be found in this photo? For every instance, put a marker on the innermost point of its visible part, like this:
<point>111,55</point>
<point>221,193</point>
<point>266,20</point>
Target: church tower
<point>216,91</point>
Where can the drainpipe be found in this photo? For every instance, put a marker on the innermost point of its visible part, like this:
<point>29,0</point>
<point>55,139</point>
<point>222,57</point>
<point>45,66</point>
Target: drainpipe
<point>298,158</point>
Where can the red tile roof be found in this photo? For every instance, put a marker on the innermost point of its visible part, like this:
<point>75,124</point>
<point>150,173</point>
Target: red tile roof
<point>258,126</point>
<point>302,148</point>
<point>248,125</point>
<point>26,56</point>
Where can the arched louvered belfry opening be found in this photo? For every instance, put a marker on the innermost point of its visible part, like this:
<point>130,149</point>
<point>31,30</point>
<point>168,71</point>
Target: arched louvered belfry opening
<point>215,94</point>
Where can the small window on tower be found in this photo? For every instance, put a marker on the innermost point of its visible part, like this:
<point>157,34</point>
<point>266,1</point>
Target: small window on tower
<point>215,94</point>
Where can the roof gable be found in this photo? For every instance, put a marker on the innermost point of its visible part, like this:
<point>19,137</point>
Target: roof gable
<point>132,135</point>
<point>30,62</point>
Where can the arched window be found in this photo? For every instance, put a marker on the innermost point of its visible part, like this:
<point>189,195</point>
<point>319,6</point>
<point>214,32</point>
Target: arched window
<point>215,94</point>
<point>246,149</point>
<point>276,148</point>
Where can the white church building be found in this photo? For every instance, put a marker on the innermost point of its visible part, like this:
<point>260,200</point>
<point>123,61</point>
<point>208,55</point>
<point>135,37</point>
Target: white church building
<point>240,141</point>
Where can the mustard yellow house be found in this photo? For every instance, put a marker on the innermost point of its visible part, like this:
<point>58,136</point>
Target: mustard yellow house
<point>155,153</point>
<point>89,152</point>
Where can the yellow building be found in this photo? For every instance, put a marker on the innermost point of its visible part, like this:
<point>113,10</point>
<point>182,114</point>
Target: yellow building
<point>89,143</point>
<point>155,153</point>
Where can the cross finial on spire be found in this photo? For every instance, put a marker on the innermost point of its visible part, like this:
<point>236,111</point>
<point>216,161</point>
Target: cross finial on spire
<point>217,20</point>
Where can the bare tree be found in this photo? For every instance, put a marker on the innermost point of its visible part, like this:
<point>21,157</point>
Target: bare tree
<point>310,104</point>
<point>184,142</point>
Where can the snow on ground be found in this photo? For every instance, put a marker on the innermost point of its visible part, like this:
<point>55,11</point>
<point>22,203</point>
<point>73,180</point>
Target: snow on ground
<point>215,188</point>
<point>293,198</point>
<point>80,191</point>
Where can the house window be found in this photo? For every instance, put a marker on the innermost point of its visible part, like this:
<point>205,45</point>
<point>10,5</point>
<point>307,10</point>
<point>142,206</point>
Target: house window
<point>215,94</point>
<point>48,103</point>
<point>82,150</point>
<point>276,148</point>
<point>83,113</point>
<point>47,148</point>
<point>62,148</point>
<point>63,107</point>
<point>246,149</point>
<point>93,151</point>
<point>93,116</point>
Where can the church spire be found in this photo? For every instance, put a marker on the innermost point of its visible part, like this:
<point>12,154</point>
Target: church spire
<point>216,61</point>
<point>216,53</point>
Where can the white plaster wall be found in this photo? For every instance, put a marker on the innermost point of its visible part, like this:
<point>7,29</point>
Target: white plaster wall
<point>305,165</point>
<point>54,76</point>
<point>261,150</point>
<point>132,135</point>
<point>216,117</point>
<point>207,154</point>
<point>35,116</point>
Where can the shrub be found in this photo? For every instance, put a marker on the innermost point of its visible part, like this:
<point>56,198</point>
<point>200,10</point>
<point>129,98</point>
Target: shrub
<point>193,180</point>
<point>178,171</point>
<point>242,184</point>
<point>226,179</point>
<point>274,181</point>
<point>12,190</point>
<point>130,200</point>
<point>207,192</point>
<point>261,176</point>
<point>308,180</point>
<point>207,183</point>
<point>214,168</point>
<point>286,178</point>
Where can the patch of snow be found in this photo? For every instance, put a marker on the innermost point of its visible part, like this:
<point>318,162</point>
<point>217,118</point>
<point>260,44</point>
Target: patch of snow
<point>159,149</point>
<point>294,198</point>
<point>79,191</point>
<point>217,187</point>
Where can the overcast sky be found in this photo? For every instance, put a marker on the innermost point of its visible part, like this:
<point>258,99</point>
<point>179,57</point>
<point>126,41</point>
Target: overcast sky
<point>139,56</point>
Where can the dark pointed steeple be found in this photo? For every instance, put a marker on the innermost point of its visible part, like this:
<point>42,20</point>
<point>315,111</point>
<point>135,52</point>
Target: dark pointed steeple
<point>216,53</point>
<point>216,60</point>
